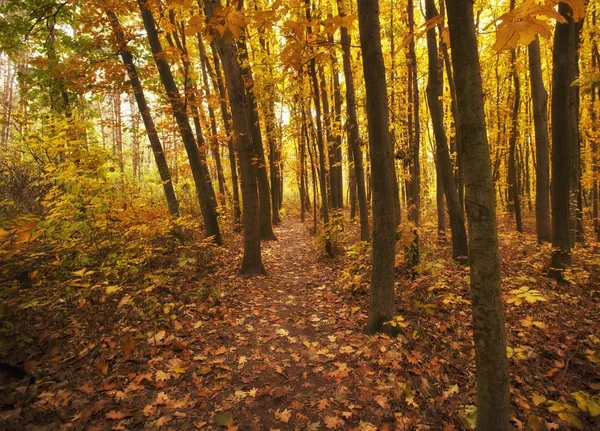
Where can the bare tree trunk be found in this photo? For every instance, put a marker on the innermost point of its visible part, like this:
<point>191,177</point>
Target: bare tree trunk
<point>513,175</point>
<point>144,110</point>
<point>204,189</point>
<point>217,80</point>
<point>493,395</point>
<point>561,148</point>
<point>595,96</point>
<point>540,120</point>
<point>443,162</point>
<point>381,308</point>
<point>353,131</point>
<point>252,260</point>
<point>320,143</point>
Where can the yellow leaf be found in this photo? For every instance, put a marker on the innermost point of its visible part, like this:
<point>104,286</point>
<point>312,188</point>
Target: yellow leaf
<point>283,416</point>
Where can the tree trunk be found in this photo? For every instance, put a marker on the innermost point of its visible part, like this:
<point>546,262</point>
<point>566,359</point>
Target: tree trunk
<point>595,95</point>
<point>414,198</point>
<point>217,80</point>
<point>320,143</point>
<point>353,131</point>
<point>144,109</point>
<point>434,98</point>
<point>493,395</point>
<point>513,175</point>
<point>337,183</point>
<point>252,260</point>
<point>561,148</point>
<point>214,141</point>
<point>381,308</point>
<point>539,96</point>
<point>204,189</point>
<point>264,192</point>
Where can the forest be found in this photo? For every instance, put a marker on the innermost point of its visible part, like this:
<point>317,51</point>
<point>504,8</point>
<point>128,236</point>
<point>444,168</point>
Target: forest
<point>299,215</point>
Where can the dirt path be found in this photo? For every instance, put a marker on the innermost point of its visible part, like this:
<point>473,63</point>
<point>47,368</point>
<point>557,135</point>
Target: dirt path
<point>292,345</point>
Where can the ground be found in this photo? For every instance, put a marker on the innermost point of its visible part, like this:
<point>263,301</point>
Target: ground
<point>214,350</point>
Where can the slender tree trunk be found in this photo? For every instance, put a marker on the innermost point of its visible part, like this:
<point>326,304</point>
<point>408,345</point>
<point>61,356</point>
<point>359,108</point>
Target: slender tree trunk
<point>353,131</point>
<point>561,148</point>
<point>513,175</point>
<point>595,96</point>
<point>204,189</point>
<point>381,308</point>
<point>214,141</point>
<point>337,180</point>
<point>320,143</point>
<point>302,143</point>
<point>264,192</point>
<point>118,129</point>
<point>445,174</point>
<point>144,109</point>
<point>252,260</point>
<point>540,121</point>
<point>217,80</point>
<point>493,395</point>
<point>575,186</point>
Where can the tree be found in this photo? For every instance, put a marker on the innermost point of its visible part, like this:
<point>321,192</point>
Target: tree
<point>353,131</point>
<point>434,98</point>
<point>381,308</point>
<point>493,396</point>
<point>144,109</point>
<point>252,260</point>
<point>539,97</point>
<point>561,147</point>
<point>204,188</point>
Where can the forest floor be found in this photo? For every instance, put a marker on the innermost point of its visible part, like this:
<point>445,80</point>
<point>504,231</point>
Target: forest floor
<point>194,345</point>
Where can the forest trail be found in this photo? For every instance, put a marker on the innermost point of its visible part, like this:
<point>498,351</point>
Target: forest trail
<point>291,346</point>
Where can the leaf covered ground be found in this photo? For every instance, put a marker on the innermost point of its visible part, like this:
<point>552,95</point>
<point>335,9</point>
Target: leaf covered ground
<point>187,343</point>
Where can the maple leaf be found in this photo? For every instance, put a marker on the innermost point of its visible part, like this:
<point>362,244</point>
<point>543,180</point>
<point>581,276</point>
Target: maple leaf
<point>149,410</point>
<point>283,416</point>
<point>161,376</point>
<point>333,422</point>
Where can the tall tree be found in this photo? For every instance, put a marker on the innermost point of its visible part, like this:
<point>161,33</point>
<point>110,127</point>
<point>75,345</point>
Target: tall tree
<point>144,109</point>
<point>252,260</point>
<point>204,188</point>
<point>434,98</point>
<point>513,174</point>
<point>381,308</point>
<point>539,97</point>
<point>493,396</point>
<point>352,126</point>
<point>561,147</point>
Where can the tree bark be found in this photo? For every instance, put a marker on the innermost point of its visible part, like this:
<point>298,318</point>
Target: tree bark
<point>320,143</point>
<point>434,98</point>
<point>353,131</point>
<point>381,308</point>
<point>252,260</point>
<point>539,96</point>
<point>561,148</point>
<point>144,109</point>
<point>264,190</point>
<point>204,189</point>
<point>493,395</point>
<point>513,175</point>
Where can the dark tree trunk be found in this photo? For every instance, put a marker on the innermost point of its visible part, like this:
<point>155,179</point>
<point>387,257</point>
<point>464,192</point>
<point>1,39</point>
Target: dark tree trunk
<point>493,395</point>
<point>214,141</point>
<point>353,131</point>
<point>561,148</point>
<point>320,143</point>
<point>513,175</point>
<point>381,308</point>
<point>260,164</point>
<point>539,96</point>
<point>144,109</point>
<point>443,161</point>
<point>414,195</point>
<point>204,189</point>
<point>337,184</point>
<point>595,96</point>
<point>217,80</point>
<point>252,260</point>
